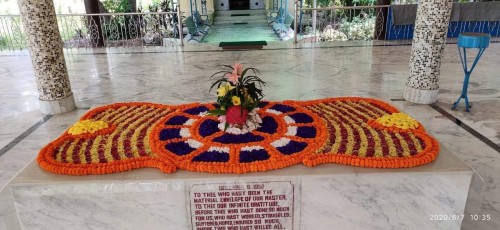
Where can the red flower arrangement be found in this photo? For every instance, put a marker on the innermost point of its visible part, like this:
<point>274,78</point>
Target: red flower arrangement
<point>239,92</point>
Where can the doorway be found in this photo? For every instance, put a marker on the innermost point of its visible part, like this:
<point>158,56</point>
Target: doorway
<point>239,4</point>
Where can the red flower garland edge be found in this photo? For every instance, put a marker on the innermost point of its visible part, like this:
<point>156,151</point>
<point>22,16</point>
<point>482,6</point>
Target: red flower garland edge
<point>48,163</point>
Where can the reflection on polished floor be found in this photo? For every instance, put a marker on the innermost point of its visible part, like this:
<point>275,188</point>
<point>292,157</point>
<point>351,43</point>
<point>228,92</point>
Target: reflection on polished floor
<point>172,76</point>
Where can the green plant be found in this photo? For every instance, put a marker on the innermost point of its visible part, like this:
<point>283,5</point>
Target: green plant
<point>308,30</point>
<point>114,28</point>
<point>159,6</point>
<point>326,3</point>
<point>165,6</point>
<point>18,38</point>
<point>330,34</point>
<point>117,6</point>
<point>3,41</point>
<point>359,28</point>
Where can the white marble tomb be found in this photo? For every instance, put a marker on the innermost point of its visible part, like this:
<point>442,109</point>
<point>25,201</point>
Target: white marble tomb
<point>325,197</point>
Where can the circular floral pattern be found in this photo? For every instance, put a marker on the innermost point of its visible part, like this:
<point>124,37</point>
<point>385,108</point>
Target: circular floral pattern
<point>195,142</point>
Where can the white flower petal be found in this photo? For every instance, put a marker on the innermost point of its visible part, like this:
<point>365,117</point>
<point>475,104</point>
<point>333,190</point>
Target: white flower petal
<point>273,111</point>
<point>289,120</point>
<point>292,131</point>
<point>194,144</point>
<point>280,143</point>
<point>249,126</point>
<point>189,122</point>
<point>219,149</point>
<point>185,132</point>
<point>251,148</point>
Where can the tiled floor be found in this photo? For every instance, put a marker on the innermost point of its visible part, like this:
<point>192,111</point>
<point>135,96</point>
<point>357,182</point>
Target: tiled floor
<point>164,75</point>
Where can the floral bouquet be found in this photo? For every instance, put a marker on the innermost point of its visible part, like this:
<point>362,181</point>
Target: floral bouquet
<point>239,93</point>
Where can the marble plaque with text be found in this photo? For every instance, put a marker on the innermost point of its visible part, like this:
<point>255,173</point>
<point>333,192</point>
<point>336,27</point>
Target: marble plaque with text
<point>242,205</point>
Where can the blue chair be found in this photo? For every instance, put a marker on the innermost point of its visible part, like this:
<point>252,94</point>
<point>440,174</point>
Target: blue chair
<point>194,31</point>
<point>277,17</point>
<point>200,22</point>
<point>465,41</point>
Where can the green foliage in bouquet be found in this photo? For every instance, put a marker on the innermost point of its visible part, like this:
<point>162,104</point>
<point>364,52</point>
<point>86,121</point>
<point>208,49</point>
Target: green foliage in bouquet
<point>237,87</point>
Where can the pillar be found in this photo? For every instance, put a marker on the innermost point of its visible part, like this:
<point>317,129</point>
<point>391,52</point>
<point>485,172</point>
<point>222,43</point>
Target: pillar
<point>133,5</point>
<point>45,46</point>
<point>429,38</point>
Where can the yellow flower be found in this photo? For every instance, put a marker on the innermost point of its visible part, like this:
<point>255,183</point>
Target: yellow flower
<point>223,89</point>
<point>398,120</point>
<point>236,100</point>
<point>87,126</point>
<point>402,125</point>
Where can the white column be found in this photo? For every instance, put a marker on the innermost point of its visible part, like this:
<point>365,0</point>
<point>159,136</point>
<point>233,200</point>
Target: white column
<point>429,38</point>
<point>45,46</point>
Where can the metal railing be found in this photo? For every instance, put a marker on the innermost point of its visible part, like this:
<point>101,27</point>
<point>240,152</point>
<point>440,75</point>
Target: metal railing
<point>339,23</point>
<point>12,34</point>
<point>101,30</point>
<point>358,23</point>
<point>365,23</point>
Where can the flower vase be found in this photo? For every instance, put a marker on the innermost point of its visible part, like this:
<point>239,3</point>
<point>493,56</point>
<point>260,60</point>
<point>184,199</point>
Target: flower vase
<point>238,121</point>
<point>236,116</point>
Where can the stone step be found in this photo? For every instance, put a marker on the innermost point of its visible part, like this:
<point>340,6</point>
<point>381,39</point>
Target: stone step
<point>251,12</point>
<point>244,18</point>
<point>248,16</point>
<point>231,22</point>
<point>249,25</point>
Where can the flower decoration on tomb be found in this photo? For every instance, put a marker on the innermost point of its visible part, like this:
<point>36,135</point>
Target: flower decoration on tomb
<point>362,132</point>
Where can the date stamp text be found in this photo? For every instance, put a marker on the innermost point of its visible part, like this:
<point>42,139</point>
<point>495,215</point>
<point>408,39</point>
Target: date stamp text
<point>453,217</point>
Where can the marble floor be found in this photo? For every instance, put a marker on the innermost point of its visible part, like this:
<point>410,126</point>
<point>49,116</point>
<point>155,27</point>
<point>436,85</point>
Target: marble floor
<point>179,75</point>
